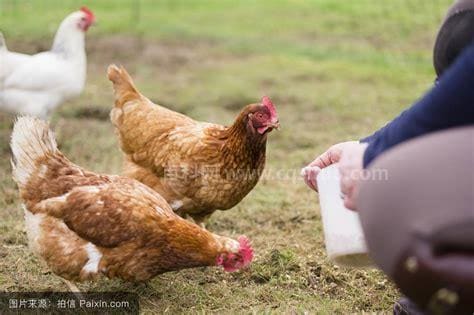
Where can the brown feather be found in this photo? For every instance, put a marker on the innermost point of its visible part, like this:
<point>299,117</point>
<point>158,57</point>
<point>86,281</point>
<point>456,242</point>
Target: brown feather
<point>85,224</point>
<point>197,167</point>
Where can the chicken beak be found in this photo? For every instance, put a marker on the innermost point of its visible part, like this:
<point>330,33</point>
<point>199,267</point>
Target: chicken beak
<point>275,125</point>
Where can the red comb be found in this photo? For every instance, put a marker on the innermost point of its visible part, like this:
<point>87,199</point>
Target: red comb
<point>268,104</point>
<point>88,12</point>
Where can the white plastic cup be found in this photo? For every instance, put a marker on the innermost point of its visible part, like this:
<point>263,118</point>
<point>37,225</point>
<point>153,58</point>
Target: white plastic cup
<point>344,239</point>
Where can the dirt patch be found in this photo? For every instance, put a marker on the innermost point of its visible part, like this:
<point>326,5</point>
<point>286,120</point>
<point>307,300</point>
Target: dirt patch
<point>88,112</point>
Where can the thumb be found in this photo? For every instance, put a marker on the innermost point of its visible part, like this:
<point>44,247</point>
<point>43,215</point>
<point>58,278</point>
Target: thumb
<point>310,174</point>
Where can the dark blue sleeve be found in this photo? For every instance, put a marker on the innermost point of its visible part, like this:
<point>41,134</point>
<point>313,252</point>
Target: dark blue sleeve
<point>450,103</point>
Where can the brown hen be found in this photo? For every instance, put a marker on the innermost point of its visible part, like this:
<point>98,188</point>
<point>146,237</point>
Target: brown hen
<point>197,167</point>
<point>85,224</point>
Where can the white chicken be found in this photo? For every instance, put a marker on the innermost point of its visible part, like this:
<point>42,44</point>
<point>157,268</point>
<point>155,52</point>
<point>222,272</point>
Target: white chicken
<point>36,85</point>
<point>9,60</point>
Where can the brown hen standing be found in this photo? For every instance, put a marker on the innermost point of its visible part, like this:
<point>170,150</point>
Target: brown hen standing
<point>85,224</point>
<point>197,167</point>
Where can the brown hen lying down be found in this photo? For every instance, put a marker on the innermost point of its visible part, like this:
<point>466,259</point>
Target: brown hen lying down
<point>84,224</point>
<point>197,167</point>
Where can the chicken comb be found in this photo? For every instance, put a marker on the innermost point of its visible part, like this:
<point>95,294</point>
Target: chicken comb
<point>246,250</point>
<point>88,12</point>
<point>266,101</point>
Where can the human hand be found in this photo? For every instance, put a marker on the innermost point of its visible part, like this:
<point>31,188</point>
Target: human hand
<point>351,169</point>
<point>331,156</point>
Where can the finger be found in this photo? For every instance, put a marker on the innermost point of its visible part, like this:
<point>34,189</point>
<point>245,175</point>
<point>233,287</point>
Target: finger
<point>314,177</point>
<point>306,177</point>
<point>310,175</point>
<point>324,160</point>
<point>307,181</point>
<point>346,185</point>
<point>349,203</point>
<point>350,196</point>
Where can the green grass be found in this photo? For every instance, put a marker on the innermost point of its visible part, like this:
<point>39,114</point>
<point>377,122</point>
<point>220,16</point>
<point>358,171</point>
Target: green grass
<point>336,70</point>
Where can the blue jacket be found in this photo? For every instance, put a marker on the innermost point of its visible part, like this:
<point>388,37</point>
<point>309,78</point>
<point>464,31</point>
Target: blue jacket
<point>450,103</point>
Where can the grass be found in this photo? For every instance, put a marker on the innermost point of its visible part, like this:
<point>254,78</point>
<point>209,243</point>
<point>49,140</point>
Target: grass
<point>336,70</point>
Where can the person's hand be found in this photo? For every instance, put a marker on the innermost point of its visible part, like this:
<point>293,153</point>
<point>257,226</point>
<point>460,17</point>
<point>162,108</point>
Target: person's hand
<point>351,169</point>
<point>331,156</point>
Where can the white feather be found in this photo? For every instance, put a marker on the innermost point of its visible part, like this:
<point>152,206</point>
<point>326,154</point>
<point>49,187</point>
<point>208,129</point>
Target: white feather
<point>33,228</point>
<point>9,61</point>
<point>175,205</point>
<point>92,265</point>
<point>36,85</point>
<point>31,139</point>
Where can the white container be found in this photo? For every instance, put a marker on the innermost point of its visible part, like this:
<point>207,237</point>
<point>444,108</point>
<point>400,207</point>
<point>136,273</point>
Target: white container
<point>344,239</point>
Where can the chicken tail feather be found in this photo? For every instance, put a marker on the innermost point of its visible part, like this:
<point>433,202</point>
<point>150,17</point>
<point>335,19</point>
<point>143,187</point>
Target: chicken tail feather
<point>31,140</point>
<point>124,88</point>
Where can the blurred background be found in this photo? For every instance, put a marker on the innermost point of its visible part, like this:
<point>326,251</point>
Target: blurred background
<point>335,69</point>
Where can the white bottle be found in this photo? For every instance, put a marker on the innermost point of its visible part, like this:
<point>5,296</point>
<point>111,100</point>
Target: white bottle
<point>344,239</point>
